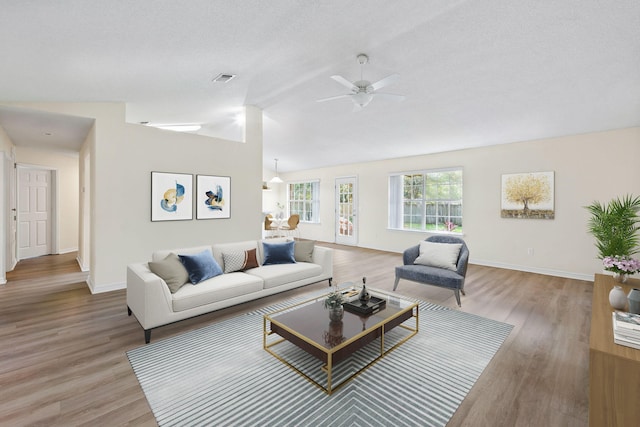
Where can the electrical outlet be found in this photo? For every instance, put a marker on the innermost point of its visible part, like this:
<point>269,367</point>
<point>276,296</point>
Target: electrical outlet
<point>530,251</point>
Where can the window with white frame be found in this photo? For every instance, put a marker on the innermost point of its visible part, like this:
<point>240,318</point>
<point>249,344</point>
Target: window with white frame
<point>303,198</point>
<point>426,201</point>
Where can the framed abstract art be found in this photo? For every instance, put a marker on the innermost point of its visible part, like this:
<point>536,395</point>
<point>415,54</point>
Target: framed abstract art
<point>213,197</point>
<point>171,196</point>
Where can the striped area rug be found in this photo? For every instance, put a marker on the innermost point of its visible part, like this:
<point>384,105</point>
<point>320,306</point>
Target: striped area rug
<point>220,375</point>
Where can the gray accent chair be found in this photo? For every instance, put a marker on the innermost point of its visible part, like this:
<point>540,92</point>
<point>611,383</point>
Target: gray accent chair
<point>433,275</point>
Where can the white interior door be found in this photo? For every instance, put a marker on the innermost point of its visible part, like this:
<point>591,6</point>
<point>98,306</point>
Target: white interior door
<point>346,211</point>
<point>34,212</point>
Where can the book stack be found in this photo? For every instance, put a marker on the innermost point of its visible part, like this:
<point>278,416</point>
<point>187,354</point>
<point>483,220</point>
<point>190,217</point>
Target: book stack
<point>626,329</point>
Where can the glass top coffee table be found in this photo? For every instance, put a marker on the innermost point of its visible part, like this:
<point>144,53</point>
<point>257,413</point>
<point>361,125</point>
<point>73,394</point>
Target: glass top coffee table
<point>305,339</point>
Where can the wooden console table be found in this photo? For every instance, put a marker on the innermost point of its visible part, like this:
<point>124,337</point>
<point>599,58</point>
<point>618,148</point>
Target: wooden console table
<point>614,370</point>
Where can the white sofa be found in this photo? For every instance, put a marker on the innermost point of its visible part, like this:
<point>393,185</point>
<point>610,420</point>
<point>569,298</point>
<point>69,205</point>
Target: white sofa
<point>154,305</point>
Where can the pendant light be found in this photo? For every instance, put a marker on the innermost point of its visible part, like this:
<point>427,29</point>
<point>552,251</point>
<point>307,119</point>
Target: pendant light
<point>276,179</point>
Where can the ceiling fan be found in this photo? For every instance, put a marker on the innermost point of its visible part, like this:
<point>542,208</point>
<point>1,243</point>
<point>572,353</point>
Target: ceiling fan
<point>363,91</point>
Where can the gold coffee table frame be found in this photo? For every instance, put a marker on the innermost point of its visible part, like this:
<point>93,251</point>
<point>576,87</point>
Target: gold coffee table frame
<point>304,324</point>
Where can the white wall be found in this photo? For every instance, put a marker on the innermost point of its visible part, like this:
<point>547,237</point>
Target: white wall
<point>84,189</point>
<point>588,167</point>
<point>5,170</point>
<point>4,226</point>
<point>122,158</point>
<point>66,165</point>
<point>597,166</point>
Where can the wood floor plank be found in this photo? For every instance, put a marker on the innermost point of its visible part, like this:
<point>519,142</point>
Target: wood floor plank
<point>63,350</point>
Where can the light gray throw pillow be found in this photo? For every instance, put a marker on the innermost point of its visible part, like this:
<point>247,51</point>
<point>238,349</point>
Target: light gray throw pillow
<point>441,255</point>
<point>171,271</point>
<point>303,250</point>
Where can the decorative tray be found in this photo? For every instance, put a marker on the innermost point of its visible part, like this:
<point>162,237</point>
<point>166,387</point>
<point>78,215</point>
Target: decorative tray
<point>374,305</point>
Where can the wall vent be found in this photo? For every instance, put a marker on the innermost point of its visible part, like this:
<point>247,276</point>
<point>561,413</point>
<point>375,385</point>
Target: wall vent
<point>223,78</point>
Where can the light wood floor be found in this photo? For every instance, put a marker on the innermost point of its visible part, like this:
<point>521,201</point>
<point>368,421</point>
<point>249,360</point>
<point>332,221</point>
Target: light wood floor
<point>63,361</point>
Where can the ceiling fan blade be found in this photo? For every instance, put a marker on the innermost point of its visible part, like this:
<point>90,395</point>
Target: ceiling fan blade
<point>331,98</point>
<point>385,82</point>
<point>390,96</point>
<point>345,82</point>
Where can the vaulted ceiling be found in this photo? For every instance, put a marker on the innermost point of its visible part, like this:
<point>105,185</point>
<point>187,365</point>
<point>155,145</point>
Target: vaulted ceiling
<point>474,73</point>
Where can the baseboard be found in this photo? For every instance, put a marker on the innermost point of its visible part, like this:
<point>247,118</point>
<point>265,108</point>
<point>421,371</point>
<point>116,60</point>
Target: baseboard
<point>3,281</point>
<point>109,287</point>
<point>545,271</point>
<point>67,250</point>
<point>83,268</point>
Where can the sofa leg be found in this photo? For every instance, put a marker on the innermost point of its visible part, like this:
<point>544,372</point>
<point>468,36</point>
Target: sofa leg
<point>147,336</point>
<point>395,285</point>
<point>330,281</point>
<point>128,311</point>
<point>457,292</point>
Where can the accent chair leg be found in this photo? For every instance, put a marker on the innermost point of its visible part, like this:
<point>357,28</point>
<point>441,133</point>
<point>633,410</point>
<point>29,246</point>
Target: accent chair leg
<point>457,292</point>
<point>395,285</point>
<point>463,292</point>
<point>147,336</point>
<point>129,311</point>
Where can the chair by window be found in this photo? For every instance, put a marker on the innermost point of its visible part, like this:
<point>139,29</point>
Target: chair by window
<point>269,226</point>
<point>292,225</point>
<point>422,272</point>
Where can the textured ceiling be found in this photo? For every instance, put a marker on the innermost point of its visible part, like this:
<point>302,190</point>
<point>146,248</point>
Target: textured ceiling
<point>474,72</point>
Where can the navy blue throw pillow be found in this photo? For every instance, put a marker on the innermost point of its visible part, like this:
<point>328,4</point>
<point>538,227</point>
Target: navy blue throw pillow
<point>278,253</point>
<point>201,266</point>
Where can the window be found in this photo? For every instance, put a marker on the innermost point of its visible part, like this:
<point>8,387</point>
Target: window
<point>426,201</point>
<point>303,199</point>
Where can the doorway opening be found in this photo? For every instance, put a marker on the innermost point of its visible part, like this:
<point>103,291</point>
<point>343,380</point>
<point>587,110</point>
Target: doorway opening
<point>346,221</point>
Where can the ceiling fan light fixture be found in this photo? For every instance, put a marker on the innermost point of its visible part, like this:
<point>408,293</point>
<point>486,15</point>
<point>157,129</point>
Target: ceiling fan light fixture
<point>362,98</point>
<point>363,91</point>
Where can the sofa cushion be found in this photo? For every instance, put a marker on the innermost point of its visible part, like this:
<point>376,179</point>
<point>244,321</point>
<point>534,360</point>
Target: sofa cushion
<point>214,290</point>
<point>431,275</point>
<point>440,255</point>
<point>303,250</point>
<point>200,266</point>
<point>279,274</point>
<point>171,271</point>
<point>278,253</point>
<point>239,260</point>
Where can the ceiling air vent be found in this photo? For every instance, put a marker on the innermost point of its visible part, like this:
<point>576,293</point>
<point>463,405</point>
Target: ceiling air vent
<point>223,78</point>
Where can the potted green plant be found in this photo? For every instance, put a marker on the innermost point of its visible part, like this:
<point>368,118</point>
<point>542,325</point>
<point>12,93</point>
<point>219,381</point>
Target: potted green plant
<point>333,303</point>
<point>615,226</point>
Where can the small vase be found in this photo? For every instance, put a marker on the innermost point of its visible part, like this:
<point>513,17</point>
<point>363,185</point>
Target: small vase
<point>620,277</point>
<point>336,313</point>
<point>617,298</point>
<point>634,301</point>
<point>364,296</point>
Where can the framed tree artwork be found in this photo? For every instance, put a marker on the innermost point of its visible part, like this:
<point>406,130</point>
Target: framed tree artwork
<point>528,195</point>
<point>171,196</point>
<point>213,197</point>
